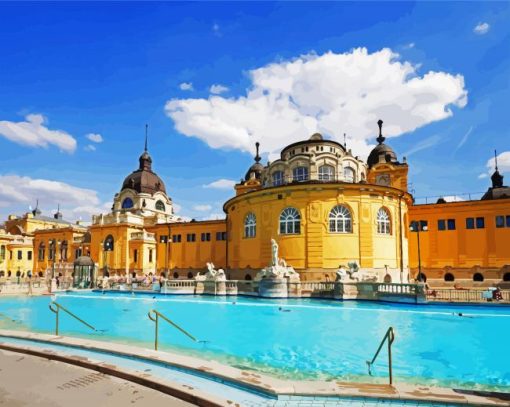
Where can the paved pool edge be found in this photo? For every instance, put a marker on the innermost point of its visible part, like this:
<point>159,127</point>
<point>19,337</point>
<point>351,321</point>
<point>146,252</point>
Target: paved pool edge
<point>271,386</point>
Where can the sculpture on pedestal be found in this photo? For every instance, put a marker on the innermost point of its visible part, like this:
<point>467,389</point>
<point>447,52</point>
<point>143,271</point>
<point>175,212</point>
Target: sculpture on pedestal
<point>212,274</point>
<point>278,267</point>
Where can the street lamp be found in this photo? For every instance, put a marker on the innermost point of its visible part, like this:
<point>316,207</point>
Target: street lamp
<point>56,245</point>
<point>417,226</point>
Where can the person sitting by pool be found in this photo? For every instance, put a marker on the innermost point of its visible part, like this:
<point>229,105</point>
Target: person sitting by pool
<point>432,293</point>
<point>496,294</point>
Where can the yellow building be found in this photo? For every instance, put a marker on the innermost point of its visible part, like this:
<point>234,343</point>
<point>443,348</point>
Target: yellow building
<point>16,255</point>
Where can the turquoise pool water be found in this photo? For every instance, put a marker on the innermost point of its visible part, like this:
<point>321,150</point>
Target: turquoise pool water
<point>297,338</point>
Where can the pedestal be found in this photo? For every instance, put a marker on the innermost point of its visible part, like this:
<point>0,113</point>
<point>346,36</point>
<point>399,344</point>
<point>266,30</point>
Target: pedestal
<point>273,288</point>
<point>54,287</point>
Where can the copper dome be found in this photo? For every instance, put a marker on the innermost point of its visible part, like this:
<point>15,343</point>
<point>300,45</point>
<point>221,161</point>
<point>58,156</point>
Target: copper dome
<point>381,150</point>
<point>143,179</point>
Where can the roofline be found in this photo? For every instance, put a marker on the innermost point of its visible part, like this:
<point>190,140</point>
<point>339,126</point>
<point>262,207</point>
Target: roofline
<point>297,143</point>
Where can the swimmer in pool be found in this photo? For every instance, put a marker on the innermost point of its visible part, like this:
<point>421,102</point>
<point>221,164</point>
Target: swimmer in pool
<point>283,310</point>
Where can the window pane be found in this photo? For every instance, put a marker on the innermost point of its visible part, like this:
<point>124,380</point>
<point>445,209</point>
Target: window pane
<point>451,224</point>
<point>470,223</point>
<point>500,221</point>
<point>441,224</point>
<point>508,221</point>
<point>480,223</point>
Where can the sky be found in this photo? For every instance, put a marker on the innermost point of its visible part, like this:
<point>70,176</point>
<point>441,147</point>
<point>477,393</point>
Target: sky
<point>79,81</point>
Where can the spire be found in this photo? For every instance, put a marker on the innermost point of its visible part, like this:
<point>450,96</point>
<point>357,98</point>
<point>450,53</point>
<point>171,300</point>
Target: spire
<point>345,143</point>
<point>36,211</point>
<point>497,178</point>
<point>381,138</point>
<point>58,215</point>
<point>146,130</point>
<point>257,156</point>
<point>496,159</point>
<point>145,159</point>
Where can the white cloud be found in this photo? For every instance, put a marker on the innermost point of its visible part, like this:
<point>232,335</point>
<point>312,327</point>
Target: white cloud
<point>177,207</point>
<point>221,184</point>
<point>331,93</point>
<point>33,132</point>
<point>95,137</point>
<point>202,208</point>
<point>214,216</point>
<point>424,144</point>
<point>483,175</point>
<point>464,138</point>
<point>481,28</point>
<point>217,89</point>
<point>453,198</point>
<point>503,163</point>
<point>186,86</point>
<point>89,147</point>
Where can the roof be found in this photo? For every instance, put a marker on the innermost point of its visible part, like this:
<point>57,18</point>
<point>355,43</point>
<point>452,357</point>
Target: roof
<point>84,261</point>
<point>144,180</point>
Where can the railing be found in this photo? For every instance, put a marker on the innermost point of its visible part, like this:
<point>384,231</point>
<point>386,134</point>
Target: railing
<point>316,178</point>
<point>180,283</point>
<point>156,332</point>
<point>397,288</point>
<point>462,295</point>
<point>56,311</point>
<point>388,337</point>
<point>143,236</point>
<point>464,196</point>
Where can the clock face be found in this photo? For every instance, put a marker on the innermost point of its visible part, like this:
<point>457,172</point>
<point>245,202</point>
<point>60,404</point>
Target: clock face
<point>383,179</point>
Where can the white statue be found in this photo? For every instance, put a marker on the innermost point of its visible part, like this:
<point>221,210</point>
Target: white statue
<point>211,274</point>
<point>274,251</point>
<point>278,267</point>
<point>341,274</point>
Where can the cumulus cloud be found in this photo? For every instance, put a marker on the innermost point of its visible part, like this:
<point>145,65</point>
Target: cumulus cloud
<point>221,184</point>
<point>214,216</point>
<point>503,163</point>
<point>33,132</point>
<point>90,147</point>
<point>202,208</point>
<point>331,93</point>
<point>95,137</point>
<point>218,89</point>
<point>186,86</point>
<point>481,28</point>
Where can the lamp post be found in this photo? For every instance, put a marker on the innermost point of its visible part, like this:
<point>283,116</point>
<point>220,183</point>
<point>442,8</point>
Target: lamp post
<point>416,226</point>
<point>56,244</point>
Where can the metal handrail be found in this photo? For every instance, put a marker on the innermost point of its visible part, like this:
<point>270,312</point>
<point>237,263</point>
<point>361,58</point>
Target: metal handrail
<point>389,337</point>
<point>57,310</point>
<point>156,320</point>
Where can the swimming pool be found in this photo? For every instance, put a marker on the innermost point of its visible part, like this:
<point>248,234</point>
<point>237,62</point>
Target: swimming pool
<point>298,339</point>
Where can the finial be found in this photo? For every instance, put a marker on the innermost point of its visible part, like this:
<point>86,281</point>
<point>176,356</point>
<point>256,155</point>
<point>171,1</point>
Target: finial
<point>345,143</point>
<point>496,159</point>
<point>58,207</point>
<point>146,128</point>
<point>381,138</point>
<point>257,156</point>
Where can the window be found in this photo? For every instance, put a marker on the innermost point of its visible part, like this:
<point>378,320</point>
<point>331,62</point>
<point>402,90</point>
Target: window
<point>205,237</point>
<point>221,235</point>
<point>77,253</point>
<point>190,237</point>
<point>349,174</point>
<point>135,255</point>
<point>163,239</point>
<point>480,223</point>
<point>446,224</point>
<point>451,224</point>
<point>290,221</point>
<point>478,277</point>
<point>51,251</point>
<point>300,174</point>
<point>63,250</point>
<point>250,225</point>
<point>2,253</point>
<point>340,220</point>
<point>108,244</point>
<point>326,173</point>
<point>277,178</point>
<point>150,255</point>
<point>41,251</point>
<point>176,239</point>
<point>29,255</point>
<point>500,221</point>
<point>470,223</point>
<point>449,277</point>
<point>20,255</point>
<point>127,203</point>
<point>160,206</point>
<point>441,224</point>
<point>383,222</point>
<point>190,275</point>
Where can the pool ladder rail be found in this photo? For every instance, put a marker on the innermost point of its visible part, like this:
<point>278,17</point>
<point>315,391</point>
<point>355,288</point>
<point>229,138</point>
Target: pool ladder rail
<point>55,307</point>
<point>155,315</point>
<point>389,337</point>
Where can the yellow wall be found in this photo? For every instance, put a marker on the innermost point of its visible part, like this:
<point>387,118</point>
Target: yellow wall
<point>12,245</point>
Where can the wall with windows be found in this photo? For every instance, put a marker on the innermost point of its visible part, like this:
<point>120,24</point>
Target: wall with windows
<point>463,239</point>
<point>318,227</point>
<point>16,255</point>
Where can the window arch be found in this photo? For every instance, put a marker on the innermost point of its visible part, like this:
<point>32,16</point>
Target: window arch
<point>300,174</point>
<point>277,178</point>
<point>326,173</point>
<point>63,250</point>
<point>52,249</point>
<point>127,203</point>
<point>449,277</point>
<point>506,277</point>
<point>340,219</point>
<point>250,225</point>
<point>349,174</point>
<point>478,277</point>
<point>290,222</point>
<point>383,222</point>
<point>108,244</point>
<point>160,206</point>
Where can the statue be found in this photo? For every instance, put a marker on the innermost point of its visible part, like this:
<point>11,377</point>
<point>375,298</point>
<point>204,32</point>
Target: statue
<point>341,274</point>
<point>274,251</point>
<point>278,268</point>
<point>211,274</point>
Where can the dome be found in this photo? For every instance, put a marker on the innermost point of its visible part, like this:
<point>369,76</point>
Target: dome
<point>144,180</point>
<point>381,150</point>
<point>256,169</point>
<point>316,137</point>
<point>84,261</point>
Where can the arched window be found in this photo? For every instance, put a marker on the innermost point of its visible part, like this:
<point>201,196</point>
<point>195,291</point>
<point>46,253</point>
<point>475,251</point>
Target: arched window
<point>290,222</point>
<point>449,277</point>
<point>383,222</point>
<point>478,277</point>
<point>340,220</point>
<point>108,244</point>
<point>51,250</point>
<point>160,206</point>
<point>277,178</point>
<point>349,174</point>
<point>2,253</point>
<point>326,173</point>
<point>506,277</point>
<point>127,203</point>
<point>422,277</point>
<point>176,274</point>
<point>247,277</point>
<point>190,275</point>
<point>250,225</point>
<point>63,250</point>
<point>300,174</point>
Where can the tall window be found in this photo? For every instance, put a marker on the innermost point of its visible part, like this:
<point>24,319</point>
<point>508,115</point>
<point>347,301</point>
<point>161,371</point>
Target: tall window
<point>108,244</point>
<point>42,248</point>
<point>340,220</point>
<point>349,174</point>
<point>250,225</point>
<point>2,253</point>
<point>160,206</point>
<point>383,222</point>
<point>20,255</point>
<point>290,222</point>
<point>300,174</point>
<point>63,250</point>
<point>127,203</point>
<point>77,253</point>
<point>51,252</point>
<point>150,255</point>
<point>277,178</point>
<point>29,255</point>
<point>326,173</point>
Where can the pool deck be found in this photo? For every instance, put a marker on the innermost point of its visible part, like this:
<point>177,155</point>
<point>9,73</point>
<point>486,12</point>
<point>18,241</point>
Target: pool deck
<point>272,386</point>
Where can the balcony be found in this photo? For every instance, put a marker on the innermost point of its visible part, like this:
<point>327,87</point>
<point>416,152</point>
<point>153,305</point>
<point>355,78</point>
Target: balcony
<point>145,236</point>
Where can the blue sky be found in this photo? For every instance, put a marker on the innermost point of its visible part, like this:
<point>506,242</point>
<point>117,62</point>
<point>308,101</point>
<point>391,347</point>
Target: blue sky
<point>75,69</point>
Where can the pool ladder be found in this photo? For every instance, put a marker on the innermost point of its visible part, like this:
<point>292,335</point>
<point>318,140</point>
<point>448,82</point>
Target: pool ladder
<point>55,307</point>
<point>155,315</point>
<point>388,337</point>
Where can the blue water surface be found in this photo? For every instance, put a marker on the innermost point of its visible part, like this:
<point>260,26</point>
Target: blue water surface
<point>298,338</point>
